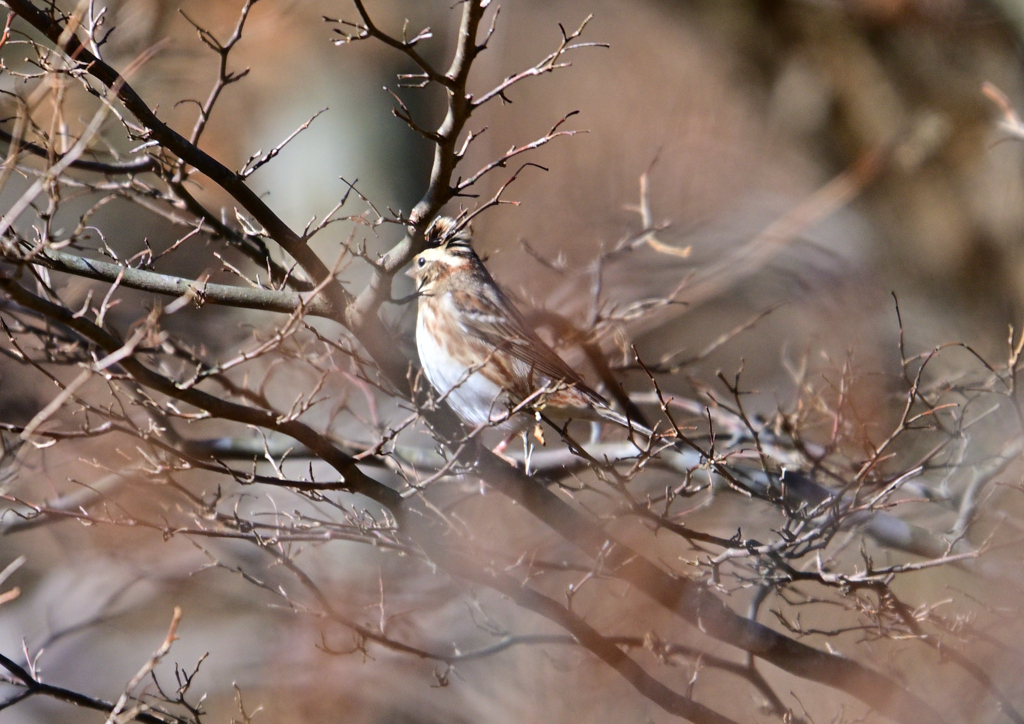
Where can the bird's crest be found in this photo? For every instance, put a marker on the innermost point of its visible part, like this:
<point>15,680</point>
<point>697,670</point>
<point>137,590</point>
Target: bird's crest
<point>444,231</point>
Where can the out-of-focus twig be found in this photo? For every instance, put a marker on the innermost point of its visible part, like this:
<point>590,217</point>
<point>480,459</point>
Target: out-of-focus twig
<point>1010,122</point>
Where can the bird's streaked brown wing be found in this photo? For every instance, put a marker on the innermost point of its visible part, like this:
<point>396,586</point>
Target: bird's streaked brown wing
<point>493,318</point>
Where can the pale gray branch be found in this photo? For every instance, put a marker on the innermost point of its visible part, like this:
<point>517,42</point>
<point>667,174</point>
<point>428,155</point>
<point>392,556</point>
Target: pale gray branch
<point>267,300</point>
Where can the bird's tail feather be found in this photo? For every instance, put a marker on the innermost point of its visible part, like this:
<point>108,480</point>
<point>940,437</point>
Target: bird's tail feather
<point>610,415</point>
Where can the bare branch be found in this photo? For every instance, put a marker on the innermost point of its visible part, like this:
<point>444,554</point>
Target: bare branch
<point>406,45</point>
<point>268,300</point>
<point>257,160</point>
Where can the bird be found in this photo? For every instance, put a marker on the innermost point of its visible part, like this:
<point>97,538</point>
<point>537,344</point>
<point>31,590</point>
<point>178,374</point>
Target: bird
<point>479,353</point>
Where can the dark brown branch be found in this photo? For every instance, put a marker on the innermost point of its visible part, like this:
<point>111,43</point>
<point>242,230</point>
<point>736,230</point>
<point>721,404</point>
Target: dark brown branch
<point>224,78</point>
<point>257,161</point>
<point>408,47</point>
<point>252,246</point>
<point>695,604</point>
<point>586,635</point>
<point>439,188</point>
<point>111,168</point>
<point>549,64</point>
<point>975,671</point>
<point>356,480</point>
<point>463,185</point>
<point>36,687</point>
<point>661,649</point>
<point>186,151</point>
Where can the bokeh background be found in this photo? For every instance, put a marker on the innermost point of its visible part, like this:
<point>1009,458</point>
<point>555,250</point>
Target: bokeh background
<point>740,112</point>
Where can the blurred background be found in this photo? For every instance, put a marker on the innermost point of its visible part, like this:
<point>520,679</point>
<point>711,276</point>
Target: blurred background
<point>808,157</point>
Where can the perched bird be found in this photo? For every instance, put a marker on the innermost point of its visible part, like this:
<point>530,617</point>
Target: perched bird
<point>478,351</point>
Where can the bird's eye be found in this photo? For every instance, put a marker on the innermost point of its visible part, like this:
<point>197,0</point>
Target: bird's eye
<point>421,262</point>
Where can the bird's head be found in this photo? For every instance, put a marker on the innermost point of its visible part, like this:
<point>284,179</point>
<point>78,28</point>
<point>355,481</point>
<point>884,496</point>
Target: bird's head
<point>448,251</point>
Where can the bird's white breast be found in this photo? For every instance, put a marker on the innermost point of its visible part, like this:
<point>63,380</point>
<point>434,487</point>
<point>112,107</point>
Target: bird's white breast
<point>473,397</point>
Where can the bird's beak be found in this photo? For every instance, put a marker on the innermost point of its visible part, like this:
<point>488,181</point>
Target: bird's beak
<point>411,272</point>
